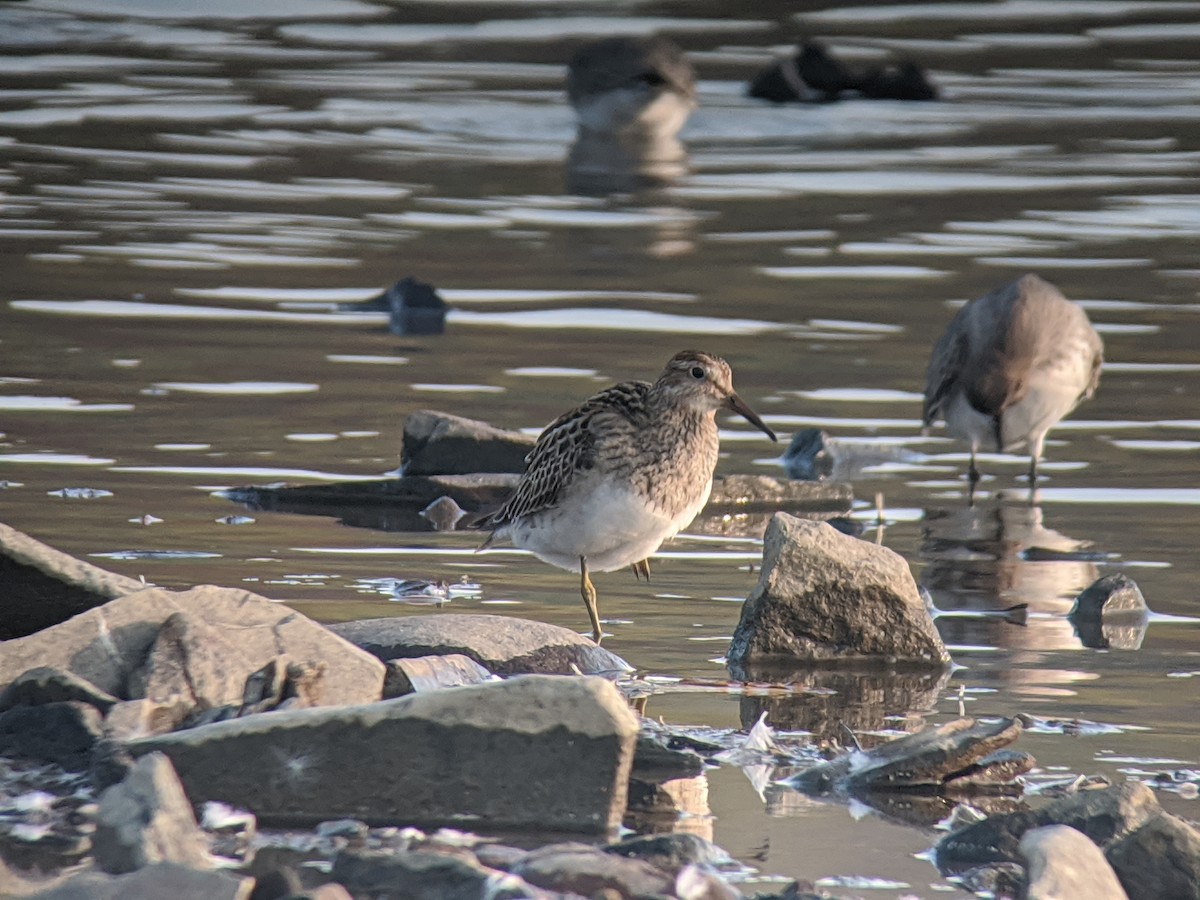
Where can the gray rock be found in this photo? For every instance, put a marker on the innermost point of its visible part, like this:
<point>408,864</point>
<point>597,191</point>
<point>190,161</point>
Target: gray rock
<point>108,644</point>
<point>46,684</point>
<point>44,586</point>
<point>155,882</point>
<point>671,852</point>
<point>424,875</point>
<point>504,645</point>
<point>825,596</point>
<point>1110,613</point>
<point>1101,815</point>
<point>585,870</point>
<point>437,443</point>
<point>1160,859</point>
<point>191,660</point>
<point>62,733</point>
<point>1060,862</point>
<point>538,751</point>
<point>148,819</point>
<point>431,673</point>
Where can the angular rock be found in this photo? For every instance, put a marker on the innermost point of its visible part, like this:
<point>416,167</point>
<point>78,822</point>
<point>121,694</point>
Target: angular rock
<point>44,586</point>
<point>62,733</point>
<point>1101,815</point>
<point>533,752</point>
<point>437,443</point>
<point>191,660</point>
<point>131,719</point>
<point>46,684</point>
<point>504,645</point>
<point>155,882</point>
<point>825,596</point>
<point>587,871</point>
<point>430,673</point>
<point>931,758</point>
<point>1060,862</point>
<point>107,644</point>
<point>148,819</point>
<point>423,875</point>
<point>1160,859</point>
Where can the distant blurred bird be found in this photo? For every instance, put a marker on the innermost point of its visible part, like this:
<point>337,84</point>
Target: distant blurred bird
<point>1011,364</point>
<point>632,84</point>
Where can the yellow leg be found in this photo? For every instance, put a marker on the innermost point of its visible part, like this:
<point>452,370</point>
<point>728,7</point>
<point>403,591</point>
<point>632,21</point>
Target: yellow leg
<point>588,591</point>
<point>641,570</point>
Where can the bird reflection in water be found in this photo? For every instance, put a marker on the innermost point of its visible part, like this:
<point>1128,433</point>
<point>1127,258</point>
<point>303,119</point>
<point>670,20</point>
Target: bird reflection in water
<point>998,578</point>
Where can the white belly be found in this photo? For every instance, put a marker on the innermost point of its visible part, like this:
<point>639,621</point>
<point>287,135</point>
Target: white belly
<point>612,526</point>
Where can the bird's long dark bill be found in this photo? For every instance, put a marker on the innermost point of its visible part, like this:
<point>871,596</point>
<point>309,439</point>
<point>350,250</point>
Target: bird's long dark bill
<point>737,404</point>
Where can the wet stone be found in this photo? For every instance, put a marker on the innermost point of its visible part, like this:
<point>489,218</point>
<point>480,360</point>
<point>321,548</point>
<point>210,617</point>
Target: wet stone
<point>430,673</point>
<point>148,819</point>
<point>437,443</point>
<point>825,596</point>
<point>46,684</point>
<point>1060,862</point>
<point>61,733</point>
<point>1101,815</point>
<point>533,752</point>
<point>1160,859</point>
<point>501,644</point>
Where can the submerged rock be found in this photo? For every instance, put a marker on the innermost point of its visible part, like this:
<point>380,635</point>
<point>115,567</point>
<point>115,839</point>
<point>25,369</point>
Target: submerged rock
<point>108,645</point>
<point>437,443</point>
<point>530,753</point>
<point>1060,862</point>
<point>148,819</point>
<point>1110,613</point>
<point>504,645</point>
<point>44,586</point>
<point>823,596</point>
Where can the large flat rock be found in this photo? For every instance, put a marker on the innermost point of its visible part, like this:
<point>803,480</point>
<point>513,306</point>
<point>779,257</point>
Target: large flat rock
<point>504,645</point>
<point>437,443</point>
<point>108,644</point>
<point>43,586</point>
<point>824,596</point>
<point>536,752</point>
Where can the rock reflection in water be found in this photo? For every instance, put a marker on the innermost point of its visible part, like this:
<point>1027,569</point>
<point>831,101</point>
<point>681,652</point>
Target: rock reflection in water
<point>599,164</point>
<point>667,807</point>
<point>829,700</point>
<point>993,555</point>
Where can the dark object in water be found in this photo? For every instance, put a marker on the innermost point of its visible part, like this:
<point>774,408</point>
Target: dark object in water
<point>807,457</point>
<point>1110,613</point>
<point>812,75</point>
<point>415,308</point>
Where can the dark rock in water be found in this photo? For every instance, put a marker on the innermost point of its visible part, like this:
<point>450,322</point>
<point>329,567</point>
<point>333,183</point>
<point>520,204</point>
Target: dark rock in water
<point>1101,815</point>
<point>44,586</point>
<point>536,752</point>
<point>46,684</point>
<point>109,644</point>
<point>414,307</point>
<point>813,75</point>
<point>807,457</point>
<point>164,880</point>
<point>421,875</point>
<point>504,645</point>
<point>1160,859</point>
<point>936,757</point>
<point>148,819</point>
<point>436,443</point>
<point>824,596</point>
<point>62,733</point>
<point>1060,862</point>
<point>587,871</point>
<point>905,81</point>
<point>431,673</point>
<point>1110,613</point>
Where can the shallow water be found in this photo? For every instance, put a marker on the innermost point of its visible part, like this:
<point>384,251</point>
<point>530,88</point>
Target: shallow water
<point>186,198</point>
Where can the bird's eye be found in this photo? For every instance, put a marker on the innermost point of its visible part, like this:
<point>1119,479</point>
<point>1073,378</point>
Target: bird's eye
<point>697,372</point>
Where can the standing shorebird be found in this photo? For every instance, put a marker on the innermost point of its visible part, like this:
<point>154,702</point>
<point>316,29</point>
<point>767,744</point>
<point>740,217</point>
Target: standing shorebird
<point>642,84</point>
<point>612,479</point>
<point>1011,364</point>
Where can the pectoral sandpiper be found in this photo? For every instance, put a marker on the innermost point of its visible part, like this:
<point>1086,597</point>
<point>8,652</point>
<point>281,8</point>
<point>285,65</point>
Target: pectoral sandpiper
<point>1011,364</point>
<point>613,478</point>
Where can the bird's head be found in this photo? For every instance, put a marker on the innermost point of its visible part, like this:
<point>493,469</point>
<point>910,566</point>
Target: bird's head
<point>705,382</point>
